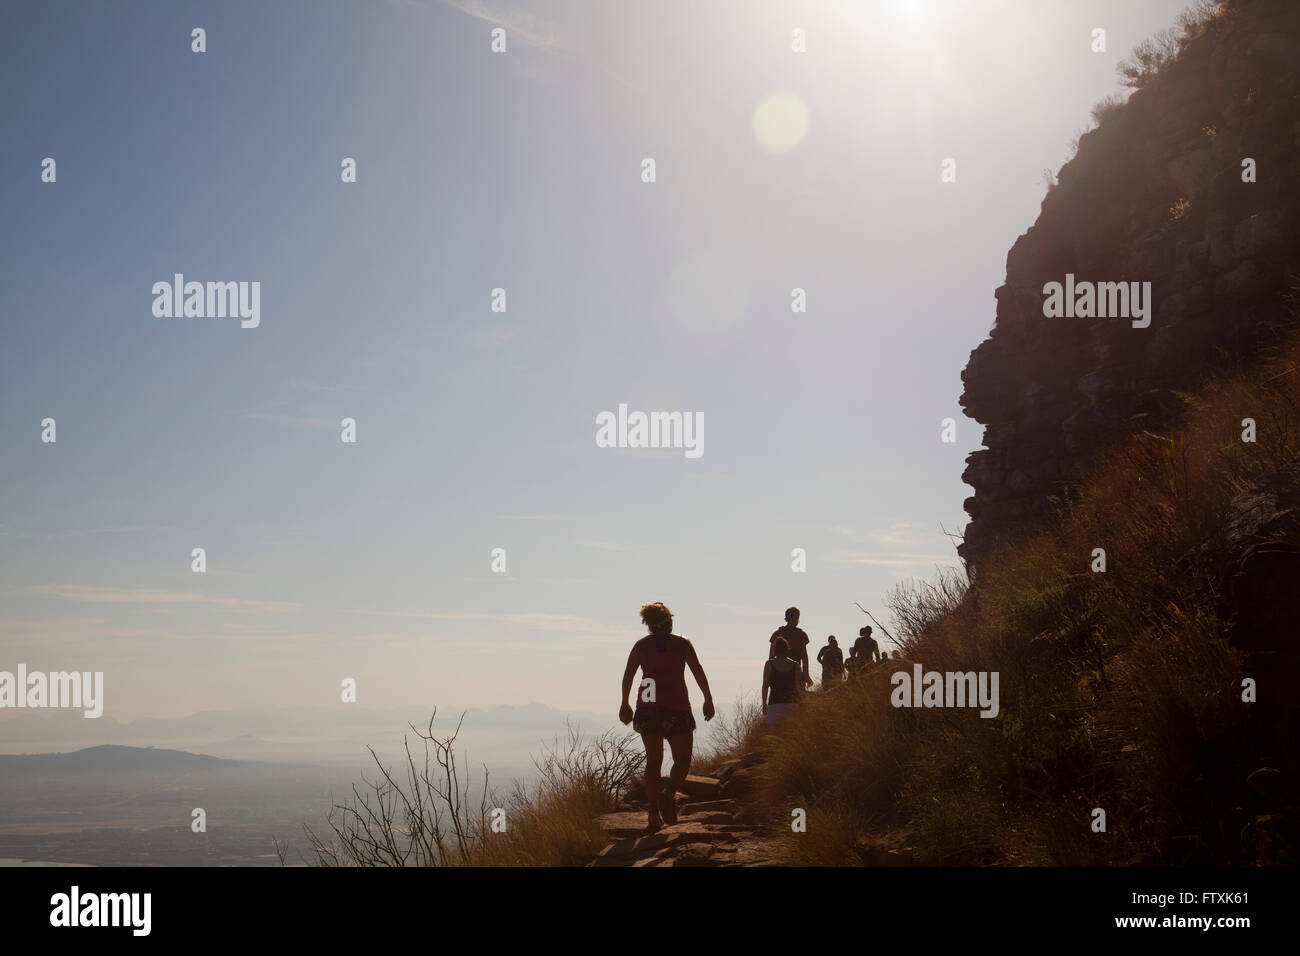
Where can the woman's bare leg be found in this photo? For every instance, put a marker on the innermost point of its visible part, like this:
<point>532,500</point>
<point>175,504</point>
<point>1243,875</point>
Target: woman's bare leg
<point>654,760</point>
<point>681,746</point>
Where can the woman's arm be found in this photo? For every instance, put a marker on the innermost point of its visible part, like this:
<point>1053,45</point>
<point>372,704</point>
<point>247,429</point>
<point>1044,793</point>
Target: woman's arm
<point>629,672</point>
<point>767,682</point>
<point>693,662</point>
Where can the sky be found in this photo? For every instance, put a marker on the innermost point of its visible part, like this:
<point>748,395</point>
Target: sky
<point>477,170</point>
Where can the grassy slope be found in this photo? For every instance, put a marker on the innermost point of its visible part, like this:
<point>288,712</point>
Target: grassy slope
<point>1129,701</point>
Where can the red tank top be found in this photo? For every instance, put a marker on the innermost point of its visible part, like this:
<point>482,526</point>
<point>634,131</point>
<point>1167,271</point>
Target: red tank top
<point>668,670</point>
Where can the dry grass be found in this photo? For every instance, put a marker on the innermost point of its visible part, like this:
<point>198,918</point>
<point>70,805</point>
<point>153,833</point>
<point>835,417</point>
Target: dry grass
<point>732,734</point>
<point>423,815</point>
<point>1128,700</point>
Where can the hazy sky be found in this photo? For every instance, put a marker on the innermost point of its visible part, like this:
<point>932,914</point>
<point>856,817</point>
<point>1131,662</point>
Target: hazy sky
<point>476,429</point>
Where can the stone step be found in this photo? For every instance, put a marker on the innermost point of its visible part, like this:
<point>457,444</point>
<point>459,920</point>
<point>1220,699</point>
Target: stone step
<point>705,787</point>
<point>633,823</point>
<point>709,819</point>
<point>709,806</point>
<point>634,846</point>
<point>689,833</point>
<point>627,824</point>
<point>693,851</point>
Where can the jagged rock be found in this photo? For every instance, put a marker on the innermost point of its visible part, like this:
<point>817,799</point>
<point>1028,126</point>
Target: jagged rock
<point>1056,394</point>
<point>694,856</point>
<point>724,770</point>
<point>742,783</point>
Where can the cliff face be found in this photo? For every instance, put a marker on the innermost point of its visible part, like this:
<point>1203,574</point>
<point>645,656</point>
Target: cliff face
<point>1155,194</point>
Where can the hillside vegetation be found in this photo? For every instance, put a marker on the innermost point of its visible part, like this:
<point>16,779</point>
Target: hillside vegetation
<point>1120,690</point>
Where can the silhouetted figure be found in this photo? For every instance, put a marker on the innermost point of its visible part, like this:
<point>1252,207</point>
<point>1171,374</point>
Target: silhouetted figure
<point>864,653</point>
<point>781,684</point>
<point>831,658</point>
<point>796,642</point>
<point>867,646</point>
<point>663,708</point>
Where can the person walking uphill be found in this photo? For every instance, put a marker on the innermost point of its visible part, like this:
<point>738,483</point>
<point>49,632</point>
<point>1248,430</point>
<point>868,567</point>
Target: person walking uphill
<point>796,642</point>
<point>663,709</point>
<point>867,646</point>
<point>831,658</point>
<point>863,654</point>
<point>781,684</point>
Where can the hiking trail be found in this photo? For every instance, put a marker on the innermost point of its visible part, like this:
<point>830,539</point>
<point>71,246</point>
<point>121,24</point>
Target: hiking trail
<point>712,828</point>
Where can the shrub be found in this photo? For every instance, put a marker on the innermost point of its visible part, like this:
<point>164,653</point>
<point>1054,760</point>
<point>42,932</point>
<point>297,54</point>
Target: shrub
<point>425,816</point>
<point>1155,53</point>
<point>1104,108</point>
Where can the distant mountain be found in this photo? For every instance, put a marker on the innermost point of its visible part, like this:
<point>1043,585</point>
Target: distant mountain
<point>110,757</point>
<point>344,722</point>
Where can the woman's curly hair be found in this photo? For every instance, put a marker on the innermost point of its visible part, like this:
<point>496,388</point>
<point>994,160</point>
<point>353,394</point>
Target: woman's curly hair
<point>656,616</point>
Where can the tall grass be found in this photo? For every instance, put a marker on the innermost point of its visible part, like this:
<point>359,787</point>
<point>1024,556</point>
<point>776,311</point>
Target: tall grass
<point>1118,690</point>
<point>423,814</point>
<point>733,734</point>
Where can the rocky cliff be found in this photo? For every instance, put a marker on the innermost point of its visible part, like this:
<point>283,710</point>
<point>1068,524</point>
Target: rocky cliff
<point>1160,192</point>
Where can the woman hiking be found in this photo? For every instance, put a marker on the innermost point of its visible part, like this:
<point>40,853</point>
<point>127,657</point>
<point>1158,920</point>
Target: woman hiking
<point>781,684</point>
<point>663,708</point>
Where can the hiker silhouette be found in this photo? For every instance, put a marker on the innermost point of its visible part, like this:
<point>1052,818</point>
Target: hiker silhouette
<point>663,708</point>
<point>865,652</point>
<point>781,684</point>
<point>796,642</point>
<point>831,658</point>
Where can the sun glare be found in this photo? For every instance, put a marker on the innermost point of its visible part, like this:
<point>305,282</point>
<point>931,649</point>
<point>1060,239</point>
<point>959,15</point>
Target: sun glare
<point>913,14</point>
<point>780,122</point>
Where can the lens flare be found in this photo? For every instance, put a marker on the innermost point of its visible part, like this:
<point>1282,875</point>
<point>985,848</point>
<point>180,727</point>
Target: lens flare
<point>780,122</point>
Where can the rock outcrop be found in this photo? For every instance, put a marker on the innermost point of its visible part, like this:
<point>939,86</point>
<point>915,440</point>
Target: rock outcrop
<point>1155,194</point>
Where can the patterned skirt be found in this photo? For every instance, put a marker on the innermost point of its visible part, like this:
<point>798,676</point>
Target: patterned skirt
<point>664,721</point>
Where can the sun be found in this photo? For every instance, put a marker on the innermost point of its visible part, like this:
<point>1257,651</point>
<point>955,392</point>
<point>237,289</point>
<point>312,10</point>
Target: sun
<point>780,122</point>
